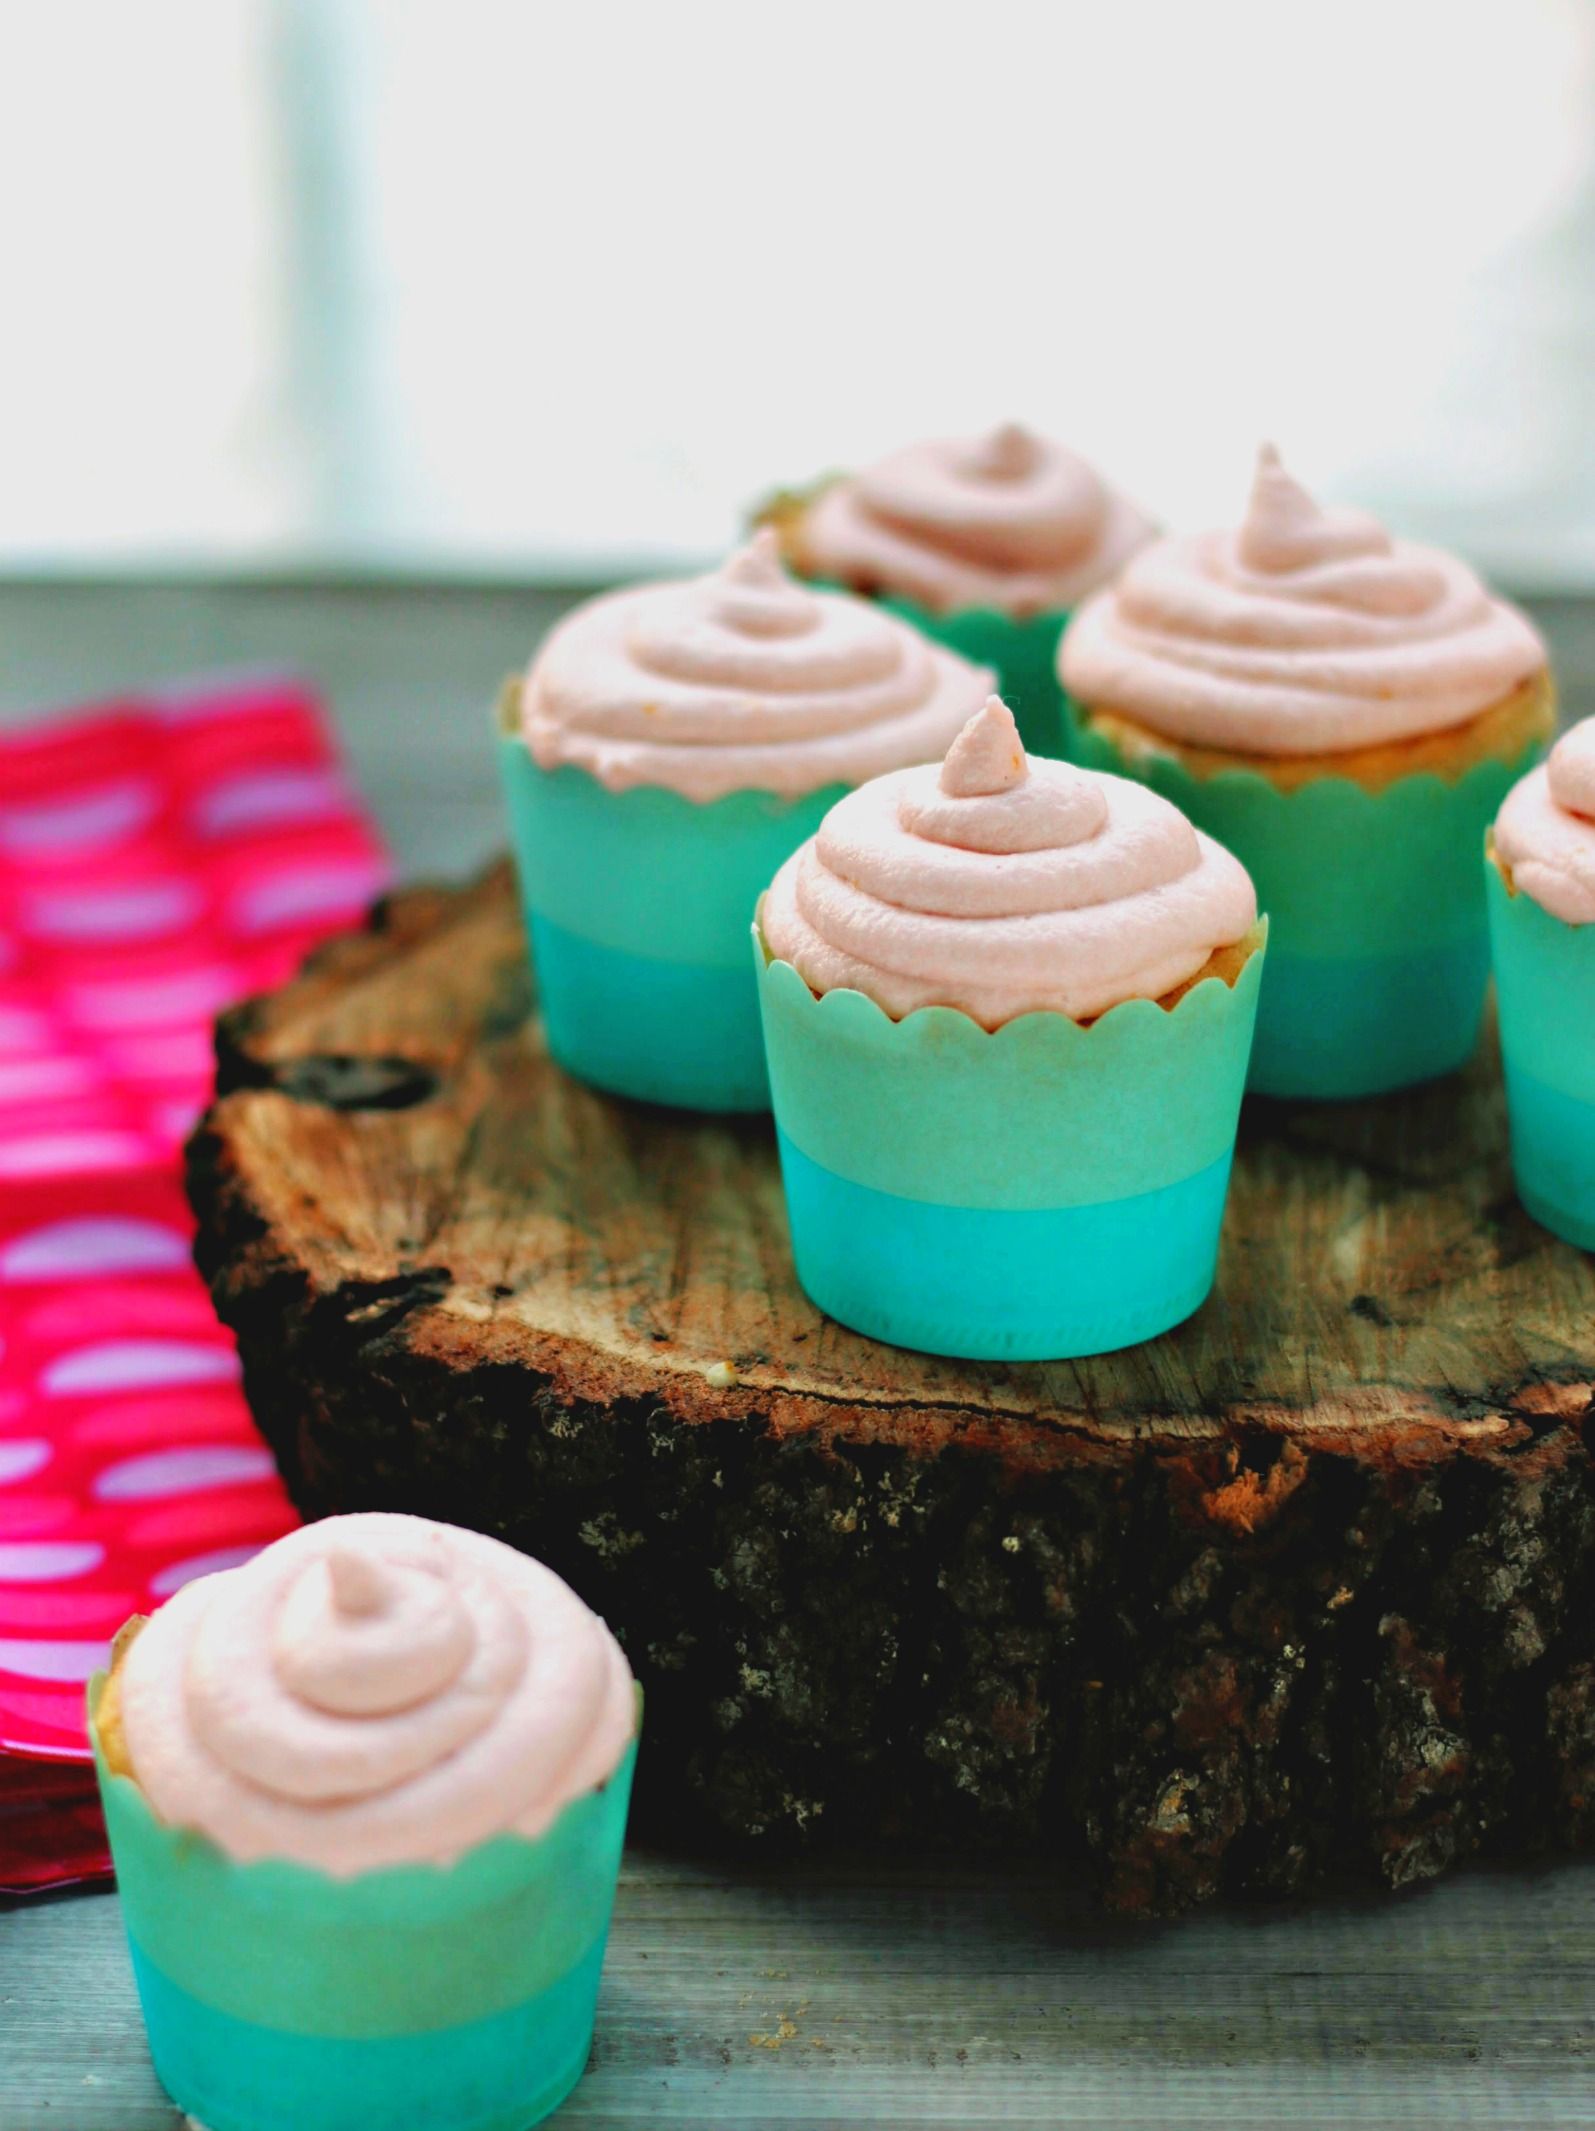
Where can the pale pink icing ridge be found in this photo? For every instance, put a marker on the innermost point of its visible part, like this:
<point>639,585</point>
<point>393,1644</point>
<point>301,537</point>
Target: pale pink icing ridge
<point>373,1690</point>
<point>1004,884</point>
<point>1305,631</point>
<point>1545,830</point>
<point>743,680</point>
<point>1008,520</point>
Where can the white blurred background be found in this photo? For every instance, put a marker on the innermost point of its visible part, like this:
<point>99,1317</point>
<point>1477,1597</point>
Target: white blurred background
<point>469,287</point>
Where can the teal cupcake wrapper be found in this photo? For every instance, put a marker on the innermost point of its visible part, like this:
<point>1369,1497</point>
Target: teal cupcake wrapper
<point>1042,1113</point>
<point>1332,1027</point>
<point>449,1998</point>
<point>503,2073</point>
<point>1545,995</point>
<point>1022,651</point>
<point>1003,1284</point>
<point>1545,988</point>
<point>1047,1189</point>
<point>1378,955</point>
<point>637,906</point>
<point>664,1032</point>
<point>645,871</point>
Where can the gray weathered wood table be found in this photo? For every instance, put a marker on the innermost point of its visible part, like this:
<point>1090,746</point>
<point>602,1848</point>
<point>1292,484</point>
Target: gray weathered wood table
<point>851,1993</point>
<point>794,2001</point>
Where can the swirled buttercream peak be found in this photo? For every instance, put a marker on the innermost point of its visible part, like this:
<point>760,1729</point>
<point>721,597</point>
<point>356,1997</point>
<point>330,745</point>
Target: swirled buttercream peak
<point>1001,885</point>
<point>743,679</point>
<point>373,1690</point>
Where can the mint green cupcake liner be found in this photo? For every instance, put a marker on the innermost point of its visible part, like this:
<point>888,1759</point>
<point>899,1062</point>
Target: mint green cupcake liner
<point>637,906</point>
<point>456,1998</point>
<point>1545,993</point>
<point>1378,952</point>
<point>1047,1190</point>
<point>1021,650</point>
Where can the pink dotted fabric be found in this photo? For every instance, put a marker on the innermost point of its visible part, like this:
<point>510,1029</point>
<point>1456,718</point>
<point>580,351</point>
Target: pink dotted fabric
<point>159,859</point>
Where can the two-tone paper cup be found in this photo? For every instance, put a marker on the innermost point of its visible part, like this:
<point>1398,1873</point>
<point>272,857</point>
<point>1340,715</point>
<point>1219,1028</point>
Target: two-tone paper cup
<point>1023,651</point>
<point>1049,1189</point>
<point>1545,993</point>
<point>457,1998</point>
<point>637,906</point>
<point>1378,951</point>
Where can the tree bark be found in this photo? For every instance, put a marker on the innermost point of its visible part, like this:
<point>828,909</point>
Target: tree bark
<point>1301,1592</point>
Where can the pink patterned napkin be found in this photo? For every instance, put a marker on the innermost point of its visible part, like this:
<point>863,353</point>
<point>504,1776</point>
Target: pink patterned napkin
<point>159,858</point>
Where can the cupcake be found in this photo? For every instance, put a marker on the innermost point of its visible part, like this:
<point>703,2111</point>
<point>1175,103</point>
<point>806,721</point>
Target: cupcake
<point>669,747</point>
<point>1540,883</point>
<point>1008,1005</point>
<point>984,543</point>
<point>1343,711</point>
<point>366,1797</point>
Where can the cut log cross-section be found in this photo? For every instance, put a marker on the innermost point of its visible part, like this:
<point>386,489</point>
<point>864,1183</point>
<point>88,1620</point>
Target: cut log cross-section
<point>1303,1591</point>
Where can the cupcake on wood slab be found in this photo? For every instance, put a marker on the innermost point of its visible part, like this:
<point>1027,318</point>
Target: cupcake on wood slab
<point>1008,1005</point>
<point>669,746</point>
<point>1540,884</point>
<point>985,543</point>
<point>1345,712</point>
<point>366,1797</point>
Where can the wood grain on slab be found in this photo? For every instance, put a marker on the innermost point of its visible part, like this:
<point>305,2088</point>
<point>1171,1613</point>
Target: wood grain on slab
<point>1302,1590</point>
<point>934,1997</point>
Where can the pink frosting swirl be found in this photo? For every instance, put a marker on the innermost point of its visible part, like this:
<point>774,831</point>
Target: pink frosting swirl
<point>741,681</point>
<point>1008,520</point>
<point>1545,831</point>
<point>373,1690</point>
<point>1307,631</point>
<point>1005,885</point>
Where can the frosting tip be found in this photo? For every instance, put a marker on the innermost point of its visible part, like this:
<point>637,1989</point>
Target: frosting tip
<point>359,1583</point>
<point>1006,453</point>
<point>1286,528</point>
<point>752,594</point>
<point>988,755</point>
<point>759,562</point>
<point>1280,515</point>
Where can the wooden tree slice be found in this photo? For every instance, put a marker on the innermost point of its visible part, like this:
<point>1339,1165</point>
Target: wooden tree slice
<point>1302,1590</point>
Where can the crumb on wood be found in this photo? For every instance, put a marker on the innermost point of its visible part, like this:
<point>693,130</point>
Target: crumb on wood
<point>773,2041</point>
<point>1252,1499</point>
<point>783,2032</point>
<point>472,1308</point>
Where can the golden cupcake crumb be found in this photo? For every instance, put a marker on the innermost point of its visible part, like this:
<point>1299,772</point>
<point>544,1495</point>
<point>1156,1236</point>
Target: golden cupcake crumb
<point>1224,962</point>
<point>1499,863</point>
<point>108,1717</point>
<point>1498,734</point>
